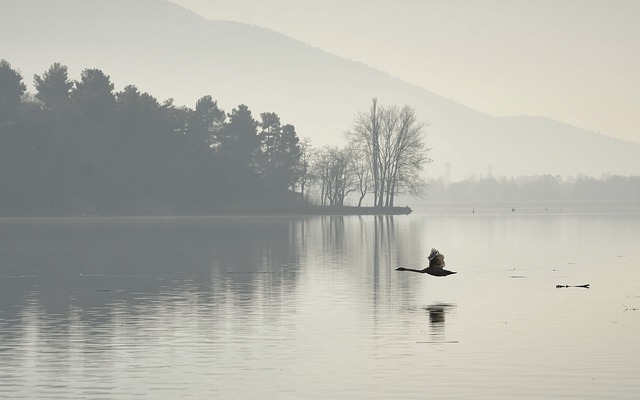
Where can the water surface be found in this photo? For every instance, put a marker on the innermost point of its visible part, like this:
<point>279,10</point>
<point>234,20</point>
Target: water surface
<point>290,308</point>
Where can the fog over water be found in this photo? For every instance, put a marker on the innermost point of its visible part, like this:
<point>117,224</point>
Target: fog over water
<point>285,307</point>
<point>175,179</point>
<point>548,58</point>
<point>524,89</point>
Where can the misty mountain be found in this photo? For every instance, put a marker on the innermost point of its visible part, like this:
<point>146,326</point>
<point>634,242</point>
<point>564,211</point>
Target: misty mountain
<point>169,51</point>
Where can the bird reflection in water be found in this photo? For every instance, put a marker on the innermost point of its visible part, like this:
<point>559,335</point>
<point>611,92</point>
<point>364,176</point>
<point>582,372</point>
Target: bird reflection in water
<point>437,314</point>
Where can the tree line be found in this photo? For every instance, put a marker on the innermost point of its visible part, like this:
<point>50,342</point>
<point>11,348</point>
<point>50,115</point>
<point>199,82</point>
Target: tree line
<point>79,146</point>
<point>537,188</point>
<point>385,155</point>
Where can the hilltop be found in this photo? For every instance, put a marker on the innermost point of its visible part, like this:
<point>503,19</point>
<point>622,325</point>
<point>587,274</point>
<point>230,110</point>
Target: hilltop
<point>172,52</point>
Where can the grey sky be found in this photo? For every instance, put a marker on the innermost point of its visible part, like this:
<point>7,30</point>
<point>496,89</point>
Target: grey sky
<point>577,61</point>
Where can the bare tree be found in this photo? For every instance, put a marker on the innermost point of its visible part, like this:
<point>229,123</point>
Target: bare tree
<point>303,167</point>
<point>366,136</point>
<point>393,141</point>
<point>408,155</point>
<point>332,172</point>
<point>361,170</point>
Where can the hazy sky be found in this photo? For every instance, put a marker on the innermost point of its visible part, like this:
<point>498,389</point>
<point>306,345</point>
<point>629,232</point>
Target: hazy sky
<point>576,61</point>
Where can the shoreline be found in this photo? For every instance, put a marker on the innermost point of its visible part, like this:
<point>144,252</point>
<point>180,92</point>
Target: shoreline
<point>309,211</point>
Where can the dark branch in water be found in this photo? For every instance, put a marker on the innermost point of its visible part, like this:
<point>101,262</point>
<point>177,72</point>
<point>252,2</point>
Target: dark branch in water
<point>568,286</point>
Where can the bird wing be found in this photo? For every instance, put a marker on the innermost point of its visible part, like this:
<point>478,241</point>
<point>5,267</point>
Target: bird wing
<point>436,260</point>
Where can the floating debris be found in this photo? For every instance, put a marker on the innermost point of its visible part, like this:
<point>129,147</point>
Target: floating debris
<point>568,286</point>
<point>439,342</point>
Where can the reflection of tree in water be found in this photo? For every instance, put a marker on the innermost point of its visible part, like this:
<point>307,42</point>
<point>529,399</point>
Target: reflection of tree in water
<point>383,250</point>
<point>255,245</point>
<point>256,260</point>
<point>333,236</point>
<point>437,314</point>
<point>377,243</point>
<point>384,241</point>
<point>85,272</point>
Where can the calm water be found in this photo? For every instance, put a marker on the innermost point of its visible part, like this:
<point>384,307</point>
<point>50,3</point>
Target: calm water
<point>292,308</point>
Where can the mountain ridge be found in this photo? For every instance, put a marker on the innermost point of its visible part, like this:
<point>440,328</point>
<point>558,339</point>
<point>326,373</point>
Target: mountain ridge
<point>171,52</point>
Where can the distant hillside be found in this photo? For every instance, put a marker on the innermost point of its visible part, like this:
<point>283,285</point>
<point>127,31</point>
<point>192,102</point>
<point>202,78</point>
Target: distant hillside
<point>169,51</point>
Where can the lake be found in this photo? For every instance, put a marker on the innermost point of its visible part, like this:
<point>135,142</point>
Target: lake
<point>312,307</point>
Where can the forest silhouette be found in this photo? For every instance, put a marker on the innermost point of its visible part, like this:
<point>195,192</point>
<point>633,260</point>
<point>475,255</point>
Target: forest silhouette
<point>79,148</point>
<point>76,147</point>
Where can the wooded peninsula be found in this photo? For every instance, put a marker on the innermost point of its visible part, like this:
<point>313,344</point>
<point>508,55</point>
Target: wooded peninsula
<point>76,147</point>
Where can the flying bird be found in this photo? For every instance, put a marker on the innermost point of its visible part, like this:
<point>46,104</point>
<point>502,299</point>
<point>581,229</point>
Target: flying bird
<point>435,268</point>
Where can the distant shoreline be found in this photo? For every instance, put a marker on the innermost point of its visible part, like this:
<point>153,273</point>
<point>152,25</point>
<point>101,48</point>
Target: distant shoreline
<point>296,211</point>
